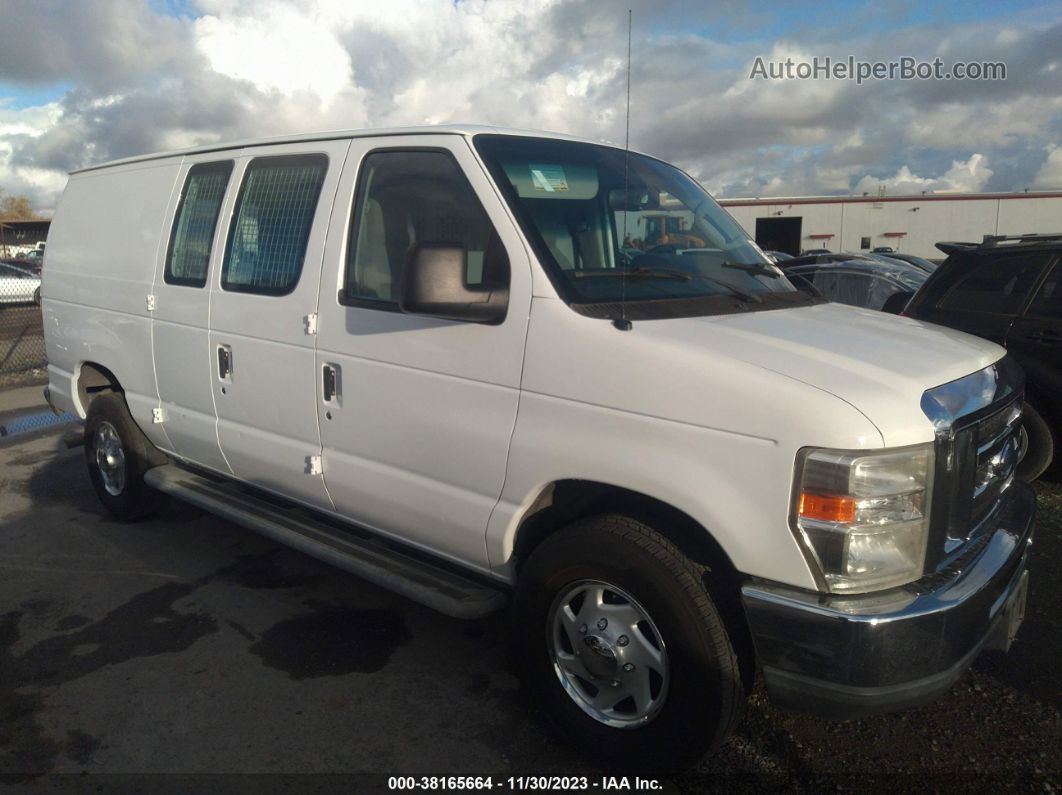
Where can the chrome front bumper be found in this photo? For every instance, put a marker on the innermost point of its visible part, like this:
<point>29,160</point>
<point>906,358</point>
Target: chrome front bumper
<point>850,656</point>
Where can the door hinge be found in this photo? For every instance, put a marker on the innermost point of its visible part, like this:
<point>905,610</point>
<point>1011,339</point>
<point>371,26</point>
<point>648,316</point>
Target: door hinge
<point>314,465</point>
<point>158,415</point>
<point>151,303</point>
<point>311,323</point>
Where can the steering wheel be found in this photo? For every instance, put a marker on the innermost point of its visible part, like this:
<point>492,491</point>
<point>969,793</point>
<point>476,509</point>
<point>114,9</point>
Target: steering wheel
<point>667,248</point>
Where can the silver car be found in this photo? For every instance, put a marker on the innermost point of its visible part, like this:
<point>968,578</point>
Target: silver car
<point>18,285</point>
<point>859,281</point>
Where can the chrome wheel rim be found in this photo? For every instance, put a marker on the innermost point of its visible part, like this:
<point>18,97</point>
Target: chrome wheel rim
<point>110,458</point>
<point>608,654</point>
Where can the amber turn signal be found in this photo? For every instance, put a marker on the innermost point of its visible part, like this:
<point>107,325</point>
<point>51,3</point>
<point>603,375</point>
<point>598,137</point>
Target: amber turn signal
<point>827,508</point>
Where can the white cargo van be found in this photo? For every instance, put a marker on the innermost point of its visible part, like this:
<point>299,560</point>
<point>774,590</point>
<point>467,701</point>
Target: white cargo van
<point>464,361</point>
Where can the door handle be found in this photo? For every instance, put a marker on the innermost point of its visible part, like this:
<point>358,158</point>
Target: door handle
<point>224,362</point>
<point>330,384</point>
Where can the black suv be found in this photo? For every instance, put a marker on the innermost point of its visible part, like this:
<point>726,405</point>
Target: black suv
<point>1009,290</point>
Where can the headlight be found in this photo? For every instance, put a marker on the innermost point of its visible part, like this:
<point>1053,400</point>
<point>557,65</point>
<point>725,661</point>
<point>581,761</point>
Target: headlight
<point>864,515</point>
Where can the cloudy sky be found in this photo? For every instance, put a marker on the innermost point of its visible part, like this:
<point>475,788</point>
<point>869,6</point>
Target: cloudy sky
<point>85,81</point>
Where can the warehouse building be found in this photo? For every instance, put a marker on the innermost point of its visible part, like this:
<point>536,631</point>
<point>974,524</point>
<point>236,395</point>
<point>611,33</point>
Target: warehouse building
<point>911,224</point>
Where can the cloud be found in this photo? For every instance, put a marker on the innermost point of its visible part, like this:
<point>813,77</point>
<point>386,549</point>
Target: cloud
<point>98,44</point>
<point>230,69</point>
<point>17,127</point>
<point>1050,174</point>
<point>967,176</point>
<point>278,49</point>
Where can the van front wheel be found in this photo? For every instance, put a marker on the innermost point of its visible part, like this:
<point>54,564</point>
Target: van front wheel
<point>118,454</point>
<point>620,641</point>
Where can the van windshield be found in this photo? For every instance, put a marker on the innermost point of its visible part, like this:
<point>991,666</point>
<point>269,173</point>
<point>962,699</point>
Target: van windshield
<point>610,227</point>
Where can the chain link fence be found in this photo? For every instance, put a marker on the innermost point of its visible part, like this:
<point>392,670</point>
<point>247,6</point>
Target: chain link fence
<point>21,329</point>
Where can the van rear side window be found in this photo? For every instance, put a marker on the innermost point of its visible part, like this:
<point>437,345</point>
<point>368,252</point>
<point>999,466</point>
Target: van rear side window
<point>271,224</point>
<point>193,228</point>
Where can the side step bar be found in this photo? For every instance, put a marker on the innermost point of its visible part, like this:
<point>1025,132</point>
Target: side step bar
<point>423,582</point>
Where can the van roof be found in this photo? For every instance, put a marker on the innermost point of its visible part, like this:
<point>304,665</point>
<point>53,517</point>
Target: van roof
<point>439,129</point>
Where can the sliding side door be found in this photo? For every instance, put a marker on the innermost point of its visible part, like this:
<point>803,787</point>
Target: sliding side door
<point>263,309</point>
<point>182,306</point>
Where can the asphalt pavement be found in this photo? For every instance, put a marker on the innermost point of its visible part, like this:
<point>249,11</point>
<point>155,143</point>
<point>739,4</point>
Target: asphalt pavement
<point>184,653</point>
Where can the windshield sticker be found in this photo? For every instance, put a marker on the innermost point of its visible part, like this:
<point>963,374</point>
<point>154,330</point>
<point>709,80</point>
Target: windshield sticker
<point>548,178</point>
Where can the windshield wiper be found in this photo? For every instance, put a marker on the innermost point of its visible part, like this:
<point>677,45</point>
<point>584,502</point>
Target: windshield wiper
<point>753,267</point>
<point>667,273</point>
<point>634,273</point>
<point>749,298</point>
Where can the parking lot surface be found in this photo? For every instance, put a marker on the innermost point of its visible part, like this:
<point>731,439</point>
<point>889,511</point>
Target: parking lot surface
<point>186,645</point>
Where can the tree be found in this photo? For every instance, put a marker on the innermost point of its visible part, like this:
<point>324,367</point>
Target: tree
<point>16,208</point>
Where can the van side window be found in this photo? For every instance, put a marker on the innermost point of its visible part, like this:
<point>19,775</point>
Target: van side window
<point>194,224</point>
<point>410,197</point>
<point>271,224</point>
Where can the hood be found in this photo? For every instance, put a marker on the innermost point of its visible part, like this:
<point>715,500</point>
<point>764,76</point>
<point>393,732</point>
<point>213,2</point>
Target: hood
<point>827,375</point>
<point>877,362</point>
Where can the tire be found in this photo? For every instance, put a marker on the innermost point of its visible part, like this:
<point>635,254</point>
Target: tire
<point>698,695</point>
<point>118,454</point>
<point>1041,445</point>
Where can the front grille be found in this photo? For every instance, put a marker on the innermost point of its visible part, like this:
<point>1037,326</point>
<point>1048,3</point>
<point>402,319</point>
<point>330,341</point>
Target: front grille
<point>977,422</point>
<point>997,440</point>
<point>975,465</point>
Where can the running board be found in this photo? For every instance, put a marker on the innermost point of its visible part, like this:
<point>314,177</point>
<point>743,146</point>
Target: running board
<point>375,561</point>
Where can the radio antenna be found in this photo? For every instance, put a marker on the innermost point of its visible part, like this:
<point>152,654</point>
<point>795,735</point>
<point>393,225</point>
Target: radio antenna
<point>622,323</point>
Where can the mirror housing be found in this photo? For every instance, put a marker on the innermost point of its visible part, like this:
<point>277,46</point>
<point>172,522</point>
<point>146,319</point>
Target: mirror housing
<point>636,199</point>
<point>433,284</point>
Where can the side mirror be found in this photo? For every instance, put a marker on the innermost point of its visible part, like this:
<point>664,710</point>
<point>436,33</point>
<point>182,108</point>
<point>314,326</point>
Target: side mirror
<point>433,284</point>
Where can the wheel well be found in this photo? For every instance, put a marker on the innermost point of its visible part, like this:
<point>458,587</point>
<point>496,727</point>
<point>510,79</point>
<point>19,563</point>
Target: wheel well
<point>92,379</point>
<point>565,501</point>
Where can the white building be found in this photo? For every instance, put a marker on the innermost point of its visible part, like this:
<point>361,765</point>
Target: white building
<point>911,224</point>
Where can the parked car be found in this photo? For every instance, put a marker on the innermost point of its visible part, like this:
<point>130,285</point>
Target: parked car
<point>810,251</point>
<point>882,250</point>
<point>1009,290</point>
<point>17,285</point>
<point>422,355</point>
<point>778,256</point>
<point>858,281</point>
<point>823,257</point>
<point>25,264</point>
<point>919,262</point>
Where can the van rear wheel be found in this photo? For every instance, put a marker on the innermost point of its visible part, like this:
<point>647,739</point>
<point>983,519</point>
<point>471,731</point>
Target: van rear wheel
<point>619,640</point>
<point>118,454</point>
